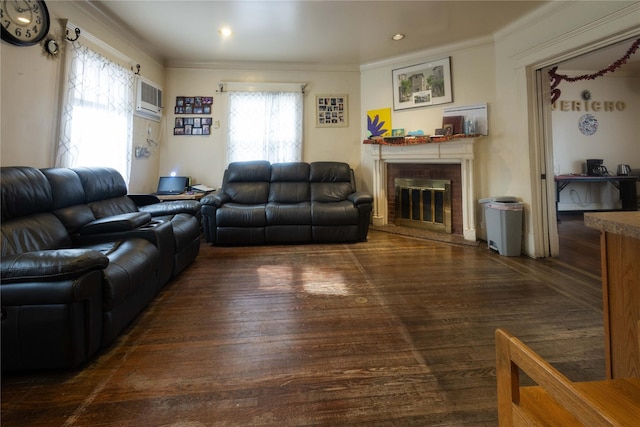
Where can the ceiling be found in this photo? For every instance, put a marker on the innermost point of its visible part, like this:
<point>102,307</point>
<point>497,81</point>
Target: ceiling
<point>600,59</point>
<point>311,33</point>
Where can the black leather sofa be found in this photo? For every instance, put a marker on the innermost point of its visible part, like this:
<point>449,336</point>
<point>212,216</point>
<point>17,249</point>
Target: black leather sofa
<point>80,261</point>
<point>297,202</point>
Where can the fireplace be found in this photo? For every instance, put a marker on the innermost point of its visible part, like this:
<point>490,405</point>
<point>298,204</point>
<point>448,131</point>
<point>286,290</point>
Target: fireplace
<point>423,203</point>
<point>451,160</point>
<point>421,173</point>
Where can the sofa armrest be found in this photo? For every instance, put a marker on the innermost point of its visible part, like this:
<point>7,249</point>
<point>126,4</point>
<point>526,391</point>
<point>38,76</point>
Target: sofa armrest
<point>217,199</point>
<point>115,223</point>
<point>59,264</point>
<point>360,197</point>
<point>191,207</point>
<point>143,199</point>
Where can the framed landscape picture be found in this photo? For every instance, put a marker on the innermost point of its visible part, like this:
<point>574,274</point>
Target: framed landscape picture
<point>422,85</point>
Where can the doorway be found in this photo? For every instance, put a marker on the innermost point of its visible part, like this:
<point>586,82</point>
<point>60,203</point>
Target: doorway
<point>560,229</point>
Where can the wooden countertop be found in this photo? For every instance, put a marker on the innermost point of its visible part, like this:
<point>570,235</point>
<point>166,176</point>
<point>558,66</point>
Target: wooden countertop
<point>623,223</point>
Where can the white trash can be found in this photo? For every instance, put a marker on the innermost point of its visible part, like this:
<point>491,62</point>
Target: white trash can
<point>503,219</point>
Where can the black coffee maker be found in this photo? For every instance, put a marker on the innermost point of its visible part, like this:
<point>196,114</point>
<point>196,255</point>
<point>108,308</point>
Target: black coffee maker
<point>596,168</point>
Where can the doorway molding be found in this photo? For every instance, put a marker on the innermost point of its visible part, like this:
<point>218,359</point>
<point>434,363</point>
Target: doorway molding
<point>544,219</point>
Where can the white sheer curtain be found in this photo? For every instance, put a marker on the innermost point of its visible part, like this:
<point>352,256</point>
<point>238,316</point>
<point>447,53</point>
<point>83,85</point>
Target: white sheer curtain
<point>265,126</point>
<point>96,127</point>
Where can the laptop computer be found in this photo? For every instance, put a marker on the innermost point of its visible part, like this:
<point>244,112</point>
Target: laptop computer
<point>171,185</point>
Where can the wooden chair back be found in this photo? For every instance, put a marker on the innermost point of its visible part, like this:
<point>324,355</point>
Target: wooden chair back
<point>557,401</point>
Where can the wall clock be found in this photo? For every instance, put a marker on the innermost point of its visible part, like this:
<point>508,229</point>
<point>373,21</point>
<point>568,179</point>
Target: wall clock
<point>24,22</point>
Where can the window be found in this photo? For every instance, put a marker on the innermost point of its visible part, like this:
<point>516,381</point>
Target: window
<point>265,126</point>
<point>97,114</point>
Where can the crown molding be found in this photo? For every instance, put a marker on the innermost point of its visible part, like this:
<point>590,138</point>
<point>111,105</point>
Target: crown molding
<point>625,19</point>
<point>117,29</point>
<point>262,66</point>
<point>424,55</point>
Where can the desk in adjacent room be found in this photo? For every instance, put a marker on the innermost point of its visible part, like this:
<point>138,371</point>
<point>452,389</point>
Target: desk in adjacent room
<point>625,183</point>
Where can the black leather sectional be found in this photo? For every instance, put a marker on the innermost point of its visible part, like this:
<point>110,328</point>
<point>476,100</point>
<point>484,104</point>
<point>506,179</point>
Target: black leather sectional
<point>297,202</point>
<point>80,260</point>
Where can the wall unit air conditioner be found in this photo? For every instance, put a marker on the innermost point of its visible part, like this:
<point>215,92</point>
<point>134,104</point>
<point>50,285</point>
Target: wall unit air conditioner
<point>148,99</point>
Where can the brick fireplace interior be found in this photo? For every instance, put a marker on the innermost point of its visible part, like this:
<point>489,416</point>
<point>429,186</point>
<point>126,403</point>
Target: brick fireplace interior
<point>450,172</point>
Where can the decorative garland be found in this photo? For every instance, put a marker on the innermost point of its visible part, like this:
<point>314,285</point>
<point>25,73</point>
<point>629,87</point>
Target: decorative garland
<point>557,78</point>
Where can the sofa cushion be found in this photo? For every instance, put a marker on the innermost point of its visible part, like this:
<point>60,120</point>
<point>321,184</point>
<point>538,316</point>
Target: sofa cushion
<point>68,198</point>
<point>74,217</point>
<point>25,191</point>
<point>101,183</point>
<point>36,232</point>
<point>330,181</point>
<point>335,213</point>
<point>328,192</point>
<point>113,206</point>
<point>255,171</point>
<point>289,192</point>
<point>329,172</point>
<point>290,172</point>
<point>239,215</point>
<point>249,193</point>
<point>288,214</point>
<point>248,182</point>
<point>66,187</point>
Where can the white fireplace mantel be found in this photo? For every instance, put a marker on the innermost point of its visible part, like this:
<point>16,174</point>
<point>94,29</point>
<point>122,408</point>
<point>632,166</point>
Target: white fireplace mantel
<point>460,151</point>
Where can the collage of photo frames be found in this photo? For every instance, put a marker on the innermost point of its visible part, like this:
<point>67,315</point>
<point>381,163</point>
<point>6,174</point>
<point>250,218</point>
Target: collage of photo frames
<point>332,111</point>
<point>193,125</point>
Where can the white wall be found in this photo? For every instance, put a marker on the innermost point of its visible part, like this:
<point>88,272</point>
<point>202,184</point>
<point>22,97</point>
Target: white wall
<point>204,157</point>
<point>473,82</point>
<point>30,95</point>
<point>501,75</point>
<point>546,37</point>
<point>29,99</point>
<point>616,141</point>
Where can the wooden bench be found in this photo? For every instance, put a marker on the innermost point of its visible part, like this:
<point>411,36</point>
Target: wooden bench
<point>555,400</point>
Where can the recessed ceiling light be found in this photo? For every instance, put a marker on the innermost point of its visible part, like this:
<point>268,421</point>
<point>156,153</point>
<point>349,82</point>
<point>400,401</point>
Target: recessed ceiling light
<point>225,32</point>
<point>397,37</point>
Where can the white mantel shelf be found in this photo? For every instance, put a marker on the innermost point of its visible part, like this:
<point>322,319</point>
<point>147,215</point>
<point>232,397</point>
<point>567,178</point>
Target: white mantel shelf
<point>460,151</point>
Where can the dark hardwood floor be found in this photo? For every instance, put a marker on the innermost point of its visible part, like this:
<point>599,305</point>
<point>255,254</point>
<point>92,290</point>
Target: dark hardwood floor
<point>396,331</point>
<point>579,244</point>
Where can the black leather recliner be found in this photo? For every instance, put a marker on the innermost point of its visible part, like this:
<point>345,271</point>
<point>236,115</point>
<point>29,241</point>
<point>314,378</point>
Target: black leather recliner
<point>77,211</point>
<point>106,196</point>
<point>61,301</point>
